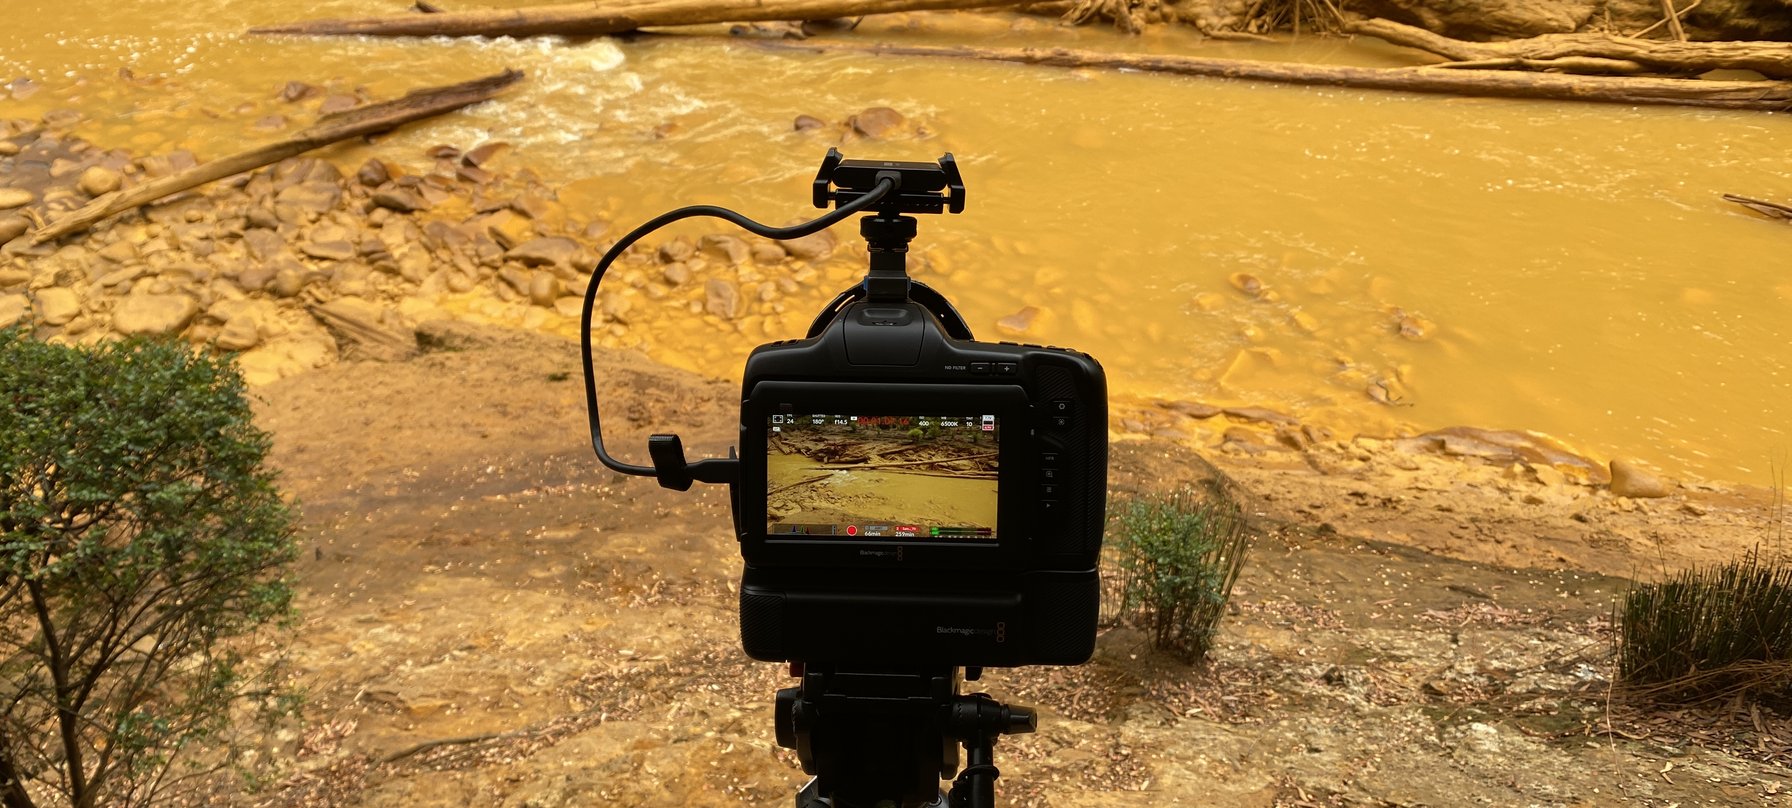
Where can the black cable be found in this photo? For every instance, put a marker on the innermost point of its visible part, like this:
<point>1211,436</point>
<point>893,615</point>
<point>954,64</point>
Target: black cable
<point>883,187</point>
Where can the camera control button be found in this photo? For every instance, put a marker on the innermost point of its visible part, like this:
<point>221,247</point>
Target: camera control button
<point>1048,490</point>
<point>1060,422</point>
<point>1007,368</point>
<point>1048,507</point>
<point>980,368</point>
<point>1048,458</point>
<point>1049,475</point>
<point>1060,406</point>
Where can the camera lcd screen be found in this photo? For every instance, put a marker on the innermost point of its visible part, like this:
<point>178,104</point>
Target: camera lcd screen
<point>881,477</point>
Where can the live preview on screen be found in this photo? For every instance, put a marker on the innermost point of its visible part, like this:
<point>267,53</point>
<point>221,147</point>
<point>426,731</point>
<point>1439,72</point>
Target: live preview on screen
<point>890,477</point>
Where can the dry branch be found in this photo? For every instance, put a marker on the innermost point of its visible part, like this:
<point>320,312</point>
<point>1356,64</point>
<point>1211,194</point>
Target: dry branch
<point>1771,59</point>
<point>587,19</point>
<point>1746,95</point>
<point>895,463</point>
<point>368,120</point>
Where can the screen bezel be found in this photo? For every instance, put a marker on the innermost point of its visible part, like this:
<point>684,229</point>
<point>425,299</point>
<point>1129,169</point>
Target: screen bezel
<point>1013,521</point>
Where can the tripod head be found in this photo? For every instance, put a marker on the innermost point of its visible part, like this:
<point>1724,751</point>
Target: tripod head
<point>919,188</point>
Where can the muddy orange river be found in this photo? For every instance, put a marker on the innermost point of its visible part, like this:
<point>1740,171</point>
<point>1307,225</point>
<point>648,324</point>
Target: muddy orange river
<point>1373,261</point>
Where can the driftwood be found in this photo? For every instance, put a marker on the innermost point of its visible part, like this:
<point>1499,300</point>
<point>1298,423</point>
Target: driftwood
<point>1748,95</point>
<point>896,463</point>
<point>1771,59</point>
<point>368,120</point>
<point>1772,210</point>
<point>588,19</point>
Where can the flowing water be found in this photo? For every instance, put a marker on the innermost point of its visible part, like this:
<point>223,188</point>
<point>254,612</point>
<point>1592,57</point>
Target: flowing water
<point>1365,259</point>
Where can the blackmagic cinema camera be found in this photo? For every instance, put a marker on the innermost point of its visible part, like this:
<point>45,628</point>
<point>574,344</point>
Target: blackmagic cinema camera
<point>909,502</point>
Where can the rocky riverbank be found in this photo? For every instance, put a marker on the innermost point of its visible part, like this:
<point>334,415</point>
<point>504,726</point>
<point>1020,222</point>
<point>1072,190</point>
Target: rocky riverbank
<point>304,263</point>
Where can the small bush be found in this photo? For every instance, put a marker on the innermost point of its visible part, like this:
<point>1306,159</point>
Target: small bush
<point>1712,632</point>
<point>1171,562</point>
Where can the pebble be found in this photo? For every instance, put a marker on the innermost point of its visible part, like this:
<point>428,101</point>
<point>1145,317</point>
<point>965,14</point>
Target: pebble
<point>15,198</point>
<point>403,200</point>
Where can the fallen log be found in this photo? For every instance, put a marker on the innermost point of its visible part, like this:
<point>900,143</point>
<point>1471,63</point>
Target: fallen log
<point>588,19</point>
<point>1771,59</point>
<point>1772,210</point>
<point>334,128</point>
<point>1744,95</point>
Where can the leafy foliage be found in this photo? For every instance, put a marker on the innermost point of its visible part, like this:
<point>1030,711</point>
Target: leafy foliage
<point>140,541</point>
<point>1171,563</point>
<point>1711,632</point>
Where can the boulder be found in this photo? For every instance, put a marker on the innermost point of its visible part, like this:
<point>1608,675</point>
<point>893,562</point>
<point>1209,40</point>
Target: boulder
<point>725,246</point>
<point>877,123</point>
<point>676,274</point>
<point>57,306</point>
<point>99,181</point>
<point>154,314</point>
<point>544,251</point>
<point>1016,324</point>
<point>805,123</point>
<point>1630,479</point>
<point>374,173</point>
<point>15,198</point>
<point>676,250</point>
<point>767,252</point>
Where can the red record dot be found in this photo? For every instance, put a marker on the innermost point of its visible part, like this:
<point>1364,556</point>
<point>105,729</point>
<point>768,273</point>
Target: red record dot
<point>852,530</point>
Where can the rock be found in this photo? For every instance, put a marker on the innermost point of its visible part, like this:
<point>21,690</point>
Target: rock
<point>1631,480</point>
<point>805,123</point>
<point>616,307</point>
<point>154,314</point>
<point>8,148</point>
<point>403,200</point>
<point>725,246</point>
<point>12,309</point>
<point>99,181</point>
<point>15,198</point>
<point>721,298</point>
<point>306,197</point>
<point>813,247</point>
<point>1247,283</point>
<point>366,331</point>
<point>374,173</point>
<point>14,276</point>
<point>298,91</point>
<point>240,333</point>
<point>534,206</point>
<point>119,252</point>
<point>767,252</point>
<point>1259,414</point>
<point>56,306</point>
<point>544,288</point>
<point>877,123</point>
<point>1016,324</point>
<point>676,250</point>
<point>328,250</point>
<point>338,102</point>
<point>544,251</point>
<point>12,227</point>
<point>509,228</point>
<point>676,274</point>
<point>483,153</point>
<point>518,280</point>
<point>289,281</point>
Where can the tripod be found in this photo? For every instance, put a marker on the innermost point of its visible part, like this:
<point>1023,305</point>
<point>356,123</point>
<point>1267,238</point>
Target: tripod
<point>886,738</point>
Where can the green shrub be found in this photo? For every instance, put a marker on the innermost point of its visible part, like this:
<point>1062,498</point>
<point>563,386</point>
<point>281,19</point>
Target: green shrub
<point>1711,632</point>
<point>141,541</point>
<point>1171,562</point>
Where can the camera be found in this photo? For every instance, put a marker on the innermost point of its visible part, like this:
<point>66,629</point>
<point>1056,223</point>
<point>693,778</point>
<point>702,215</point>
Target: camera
<point>908,500</point>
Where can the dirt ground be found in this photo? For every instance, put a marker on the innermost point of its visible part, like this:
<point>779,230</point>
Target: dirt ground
<point>491,618</point>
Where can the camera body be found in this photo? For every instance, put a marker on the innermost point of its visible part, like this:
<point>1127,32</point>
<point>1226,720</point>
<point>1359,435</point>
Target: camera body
<point>909,494</point>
